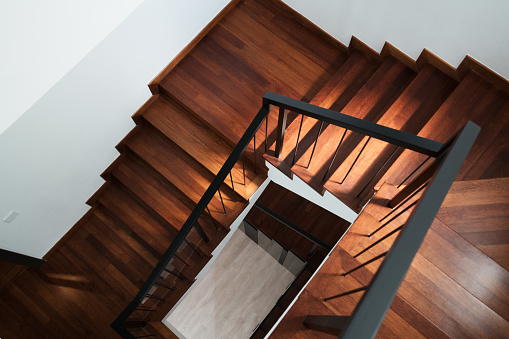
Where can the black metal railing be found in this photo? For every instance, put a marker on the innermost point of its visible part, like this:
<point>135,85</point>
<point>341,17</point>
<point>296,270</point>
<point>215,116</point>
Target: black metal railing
<point>434,182</point>
<point>185,247</point>
<point>376,300</point>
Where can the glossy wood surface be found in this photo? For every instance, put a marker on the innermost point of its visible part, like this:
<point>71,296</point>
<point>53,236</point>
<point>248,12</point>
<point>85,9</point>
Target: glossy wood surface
<point>183,138</point>
<point>186,132</point>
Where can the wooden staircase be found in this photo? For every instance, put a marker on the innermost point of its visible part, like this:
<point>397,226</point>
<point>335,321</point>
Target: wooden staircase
<point>458,291</point>
<point>200,108</point>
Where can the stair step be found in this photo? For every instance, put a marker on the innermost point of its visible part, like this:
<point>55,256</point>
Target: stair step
<point>183,171</point>
<point>200,142</point>
<point>451,270</point>
<point>369,103</point>
<point>248,58</point>
<point>162,197</point>
<point>340,88</point>
<point>477,100</point>
<point>328,282</point>
<point>479,211</point>
<point>355,176</point>
<point>117,200</point>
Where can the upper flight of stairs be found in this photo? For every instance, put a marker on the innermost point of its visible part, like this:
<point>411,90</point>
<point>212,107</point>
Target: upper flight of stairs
<point>200,108</point>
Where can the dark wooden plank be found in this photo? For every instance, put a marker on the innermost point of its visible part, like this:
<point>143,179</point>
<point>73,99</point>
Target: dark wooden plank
<point>476,100</point>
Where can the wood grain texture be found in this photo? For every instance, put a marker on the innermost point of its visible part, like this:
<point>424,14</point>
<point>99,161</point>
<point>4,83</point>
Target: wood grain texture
<point>154,84</point>
<point>476,100</point>
<point>456,292</point>
<point>279,53</point>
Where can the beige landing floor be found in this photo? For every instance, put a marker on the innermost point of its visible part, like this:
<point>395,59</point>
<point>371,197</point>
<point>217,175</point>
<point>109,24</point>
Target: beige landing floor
<point>234,295</point>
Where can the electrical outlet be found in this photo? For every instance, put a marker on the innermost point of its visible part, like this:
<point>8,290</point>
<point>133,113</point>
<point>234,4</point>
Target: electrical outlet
<point>10,217</point>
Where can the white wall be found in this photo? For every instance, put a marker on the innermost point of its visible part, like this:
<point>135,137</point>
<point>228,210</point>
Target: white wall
<point>450,29</point>
<point>51,157</point>
<point>42,40</point>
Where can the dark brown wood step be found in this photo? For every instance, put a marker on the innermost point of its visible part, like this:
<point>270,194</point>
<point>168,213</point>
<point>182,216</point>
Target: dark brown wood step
<point>355,175</point>
<point>335,94</point>
<point>369,103</point>
<point>183,171</point>
<point>162,197</point>
<point>120,202</point>
<point>477,100</point>
<point>260,52</point>
<point>328,282</point>
<point>431,269</point>
<point>197,140</point>
<point>478,210</point>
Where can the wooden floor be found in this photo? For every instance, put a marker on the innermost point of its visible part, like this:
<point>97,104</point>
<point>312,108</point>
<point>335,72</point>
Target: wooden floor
<point>458,285</point>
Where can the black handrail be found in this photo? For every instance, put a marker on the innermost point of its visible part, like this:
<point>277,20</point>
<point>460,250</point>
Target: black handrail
<point>424,209</point>
<point>375,302</point>
<point>390,135</point>
<point>191,221</point>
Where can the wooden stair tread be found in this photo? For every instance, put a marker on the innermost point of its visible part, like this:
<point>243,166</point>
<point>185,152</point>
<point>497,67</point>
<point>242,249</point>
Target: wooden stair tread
<point>478,210</point>
<point>183,171</point>
<point>409,113</point>
<point>154,233</point>
<point>163,198</point>
<point>335,94</point>
<point>328,282</point>
<point>440,305</point>
<point>369,103</point>
<point>259,52</point>
<point>197,140</point>
<point>476,100</point>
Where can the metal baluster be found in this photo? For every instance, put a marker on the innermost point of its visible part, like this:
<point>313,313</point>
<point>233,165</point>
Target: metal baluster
<point>173,273</point>
<point>210,215</point>
<point>346,293</point>
<point>179,258</point>
<point>164,285</point>
<point>201,232</point>
<point>365,264</point>
<point>335,154</point>
<point>191,245</point>
<point>415,170</point>
<point>377,172</point>
<point>243,170</point>
<point>397,215</point>
<point>153,297</point>
<point>231,178</point>
<point>378,241</point>
<point>404,201</point>
<point>220,197</point>
<point>254,151</point>
<point>314,145</point>
<point>357,158</point>
<point>298,135</point>
<point>281,129</point>
<point>266,131</point>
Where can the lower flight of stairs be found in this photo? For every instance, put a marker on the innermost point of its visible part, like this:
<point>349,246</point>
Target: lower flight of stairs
<point>458,291</point>
<point>166,163</point>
